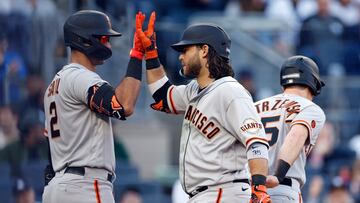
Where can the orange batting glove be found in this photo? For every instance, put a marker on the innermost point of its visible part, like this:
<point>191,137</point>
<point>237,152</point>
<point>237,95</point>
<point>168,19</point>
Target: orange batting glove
<point>148,38</point>
<point>138,50</point>
<point>259,195</point>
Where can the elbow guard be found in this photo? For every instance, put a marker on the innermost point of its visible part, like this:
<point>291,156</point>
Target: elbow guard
<point>160,97</point>
<point>102,100</point>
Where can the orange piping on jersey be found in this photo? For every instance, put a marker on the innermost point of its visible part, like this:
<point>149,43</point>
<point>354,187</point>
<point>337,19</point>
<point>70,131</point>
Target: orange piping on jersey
<point>171,100</point>
<point>97,191</point>
<point>300,198</point>
<point>218,200</point>
<point>46,132</point>
<point>263,140</point>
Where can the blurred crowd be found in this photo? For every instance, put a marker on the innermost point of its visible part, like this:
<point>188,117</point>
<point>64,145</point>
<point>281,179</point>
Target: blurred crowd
<point>32,50</point>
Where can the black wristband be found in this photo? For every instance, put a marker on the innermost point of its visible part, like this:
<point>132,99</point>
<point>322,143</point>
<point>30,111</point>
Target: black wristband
<point>281,170</point>
<point>134,68</point>
<point>258,179</point>
<point>152,63</point>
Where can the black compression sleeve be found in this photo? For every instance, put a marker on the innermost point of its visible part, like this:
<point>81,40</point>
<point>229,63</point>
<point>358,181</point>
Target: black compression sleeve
<point>152,63</point>
<point>281,170</point>
<point>134,68</point>
<point>258,179</point>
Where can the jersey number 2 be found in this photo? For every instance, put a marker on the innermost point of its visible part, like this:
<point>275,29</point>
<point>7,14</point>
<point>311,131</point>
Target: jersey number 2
<point>274,131</point>
<point>53,121</point>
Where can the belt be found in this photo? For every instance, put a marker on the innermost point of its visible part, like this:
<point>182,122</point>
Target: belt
<point>81,171</point>
<point>286,181</point>
<point>203,188</point>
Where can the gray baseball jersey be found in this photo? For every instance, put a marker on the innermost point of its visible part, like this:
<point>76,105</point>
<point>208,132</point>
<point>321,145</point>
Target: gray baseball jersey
<point>220,122</point>
<point>280,112</point>
<point>77,135</point>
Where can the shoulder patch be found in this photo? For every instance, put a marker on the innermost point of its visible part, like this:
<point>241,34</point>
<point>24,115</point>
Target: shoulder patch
<point>251,126</point>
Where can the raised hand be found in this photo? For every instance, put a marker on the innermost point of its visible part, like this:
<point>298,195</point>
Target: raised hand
<point>138,50</point>
<point>148,38</point>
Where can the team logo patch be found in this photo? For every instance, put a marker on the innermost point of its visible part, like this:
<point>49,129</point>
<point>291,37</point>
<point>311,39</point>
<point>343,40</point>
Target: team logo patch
<point>251,126</point>
<point>313,124</point>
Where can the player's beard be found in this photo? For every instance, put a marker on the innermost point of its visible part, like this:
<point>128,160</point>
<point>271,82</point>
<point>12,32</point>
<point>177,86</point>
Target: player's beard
<point>193,67</point>
<point>96,62</point>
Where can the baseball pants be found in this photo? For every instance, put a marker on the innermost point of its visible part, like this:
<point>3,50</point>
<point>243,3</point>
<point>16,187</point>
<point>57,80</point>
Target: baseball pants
<point>92,187</point>
<point>224,193</point>
<point>289,193</point>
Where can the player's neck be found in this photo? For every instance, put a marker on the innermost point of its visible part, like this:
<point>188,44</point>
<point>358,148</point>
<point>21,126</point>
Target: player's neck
<point>204,82</point>
<point>82,59</point>
<point>204,78</point>
<point>302,92</point>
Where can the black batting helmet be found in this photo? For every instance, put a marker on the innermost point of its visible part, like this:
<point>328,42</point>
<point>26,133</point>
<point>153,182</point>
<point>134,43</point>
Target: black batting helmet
<point>210,34</point>
<point>301,70</point>
<point>83,29</point>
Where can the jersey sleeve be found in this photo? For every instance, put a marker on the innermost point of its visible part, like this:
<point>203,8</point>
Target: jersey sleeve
<point>178,97</point>
<point>82,81</point>
<point>244,122</point>
<point>313,118</point>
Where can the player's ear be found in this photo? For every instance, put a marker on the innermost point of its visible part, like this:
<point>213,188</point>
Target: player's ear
<point>204,50</point>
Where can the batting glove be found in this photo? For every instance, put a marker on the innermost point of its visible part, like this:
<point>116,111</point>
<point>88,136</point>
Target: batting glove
<point>138,50</point>
<point>259,195</point>
<point>148,38</point>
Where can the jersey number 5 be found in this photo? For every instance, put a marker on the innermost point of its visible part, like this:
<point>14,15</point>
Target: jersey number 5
<point>53,121</point>
<point>274,131</point>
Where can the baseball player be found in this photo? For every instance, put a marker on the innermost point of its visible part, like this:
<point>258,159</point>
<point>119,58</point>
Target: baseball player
<point>221,131</point>
<point>292,122</point>
<point>78,106</point>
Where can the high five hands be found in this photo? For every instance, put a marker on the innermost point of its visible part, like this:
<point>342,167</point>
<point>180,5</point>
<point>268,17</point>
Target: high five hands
<point>145,41</point>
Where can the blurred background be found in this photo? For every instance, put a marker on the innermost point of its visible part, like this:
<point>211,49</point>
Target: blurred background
<point>263,32</point>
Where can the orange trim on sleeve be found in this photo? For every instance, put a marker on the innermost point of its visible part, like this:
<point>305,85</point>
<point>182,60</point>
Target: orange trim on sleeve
<point>171,100</point>
<point>301,121</point>
<point>97,191</point>
<point>46,132</point>
<point>257,138</point>
<point>220,191</point>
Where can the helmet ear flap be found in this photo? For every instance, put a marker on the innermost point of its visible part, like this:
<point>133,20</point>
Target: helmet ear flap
<point>76,41</point>
<point>319,85</point>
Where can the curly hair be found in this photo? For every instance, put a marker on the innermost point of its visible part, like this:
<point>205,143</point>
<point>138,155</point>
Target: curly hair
<point>218,66</point>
